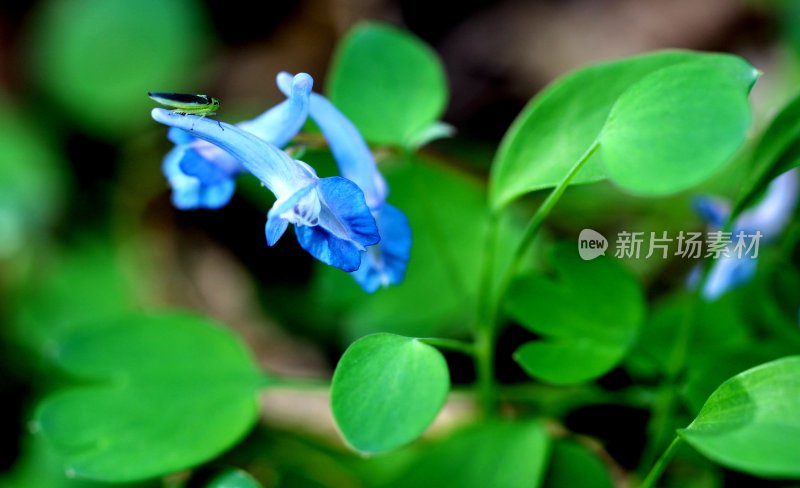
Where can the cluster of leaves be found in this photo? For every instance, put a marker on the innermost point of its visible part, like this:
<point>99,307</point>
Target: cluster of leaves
<point>150,394</point>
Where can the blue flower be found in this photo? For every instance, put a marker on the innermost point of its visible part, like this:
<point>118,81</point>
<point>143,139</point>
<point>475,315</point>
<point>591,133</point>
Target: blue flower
<point>383,264</point>
<point>768,217</point>
<point>332,220</point>
<point>189,192</point>
<point>203,176</point>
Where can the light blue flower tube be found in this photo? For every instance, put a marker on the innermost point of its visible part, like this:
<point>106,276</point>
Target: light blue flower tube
<point>332,220</point>
<point>203,176</point>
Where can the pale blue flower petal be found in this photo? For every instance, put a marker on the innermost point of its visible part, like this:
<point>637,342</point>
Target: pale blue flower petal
<point>351,152</point>
<point>274,229</point>
<point>217,195</point>
<point>276,223</point>
<point>194,164</point>
<point>728,273</point>
<point>282,122</point>
<point>189,192</point>
<point>384,264</point>
<point>768,217</point>
<point>345,228</point>
<point>715,211</point>
<point>774,211</point>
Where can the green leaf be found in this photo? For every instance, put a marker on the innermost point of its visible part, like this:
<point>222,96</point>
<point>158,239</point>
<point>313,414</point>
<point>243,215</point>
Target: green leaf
<point>233,478</point>
<point>564,120</point>
<point>777,151</point>
<point>98,59</point>
<point>388,82</point>
<point>494,454</point>
<point>589,315</point>
<point>675,128</point>
<point>39,466</point>
<point>707,370</point>
<point>387,389</point>
<point>81,286</point>
<point>158,393</point>
<point>573,465</point>
<point>33,181</point>
<point>752,422</point>
<point>720,326</point>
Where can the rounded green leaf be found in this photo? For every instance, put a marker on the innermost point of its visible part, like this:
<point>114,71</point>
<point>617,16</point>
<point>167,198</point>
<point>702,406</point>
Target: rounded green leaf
<point>388,82</point>
<point>493,454</point>
<point>156,394</point>
<point>98,58</point>
<point>387,389</point>
<point>564,120</point>
<point>589,314</point>
<point>752,421</point>
<point>675,128</point>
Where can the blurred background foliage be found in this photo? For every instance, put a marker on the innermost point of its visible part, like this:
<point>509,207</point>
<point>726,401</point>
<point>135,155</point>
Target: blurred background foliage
<point>87,229</point>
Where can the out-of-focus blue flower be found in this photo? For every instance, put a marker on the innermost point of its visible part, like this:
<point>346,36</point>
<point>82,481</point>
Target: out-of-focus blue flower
<point>203,176</point>
<point>383,264</point>
<point>768,217</point>
<point>189,192</point>
<point>332,220</point>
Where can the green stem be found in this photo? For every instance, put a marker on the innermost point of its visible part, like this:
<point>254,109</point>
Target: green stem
<point>660,427</point>
<point>489,302</point>
<point>485,328</point>
<point>660,465</point>
<point>544,211</point>
<point>451,344</point>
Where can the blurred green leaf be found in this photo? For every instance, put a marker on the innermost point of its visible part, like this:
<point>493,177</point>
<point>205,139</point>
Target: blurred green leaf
<point>752,422</point>
<point>388,82</point>
<point>774,290</point>
<point>296,459</point>
<point>159,393</point>
<point>720,327</point>
<point>777,151</point>
<point>573,465</point>
<point>82,285</point>
<point>33,181</point>
<point>589,314</point>
<point>233,478</point>
<point>447,212</point>
<point>562,122</point>
<point>494,454</point>
<point>676,127</point>
<point>98,58</point>
<point>387,389</point>
<point>40,467</point>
